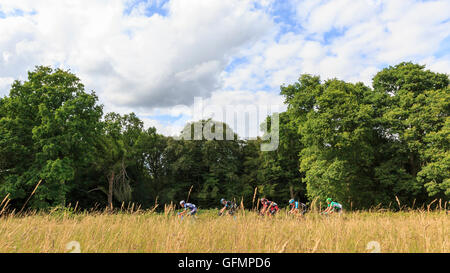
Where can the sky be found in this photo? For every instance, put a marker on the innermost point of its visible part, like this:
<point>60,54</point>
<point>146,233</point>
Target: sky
<point>155,57</point>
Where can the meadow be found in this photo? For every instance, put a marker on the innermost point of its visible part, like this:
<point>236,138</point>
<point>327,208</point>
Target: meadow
<point>148,231</point>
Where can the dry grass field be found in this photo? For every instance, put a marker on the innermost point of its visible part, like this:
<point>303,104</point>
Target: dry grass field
<point>409,231</point>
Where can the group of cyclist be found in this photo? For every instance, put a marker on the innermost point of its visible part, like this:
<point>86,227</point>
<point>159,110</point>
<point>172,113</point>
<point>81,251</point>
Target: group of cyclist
<point>268,208</point>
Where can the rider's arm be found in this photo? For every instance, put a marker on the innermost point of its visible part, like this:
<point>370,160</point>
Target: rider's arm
<point>263,209</point>
<point>268,208</point>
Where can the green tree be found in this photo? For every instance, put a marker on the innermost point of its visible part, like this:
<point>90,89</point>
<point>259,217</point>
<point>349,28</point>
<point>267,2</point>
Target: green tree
<point>48,127</point>
<point>211,166</point>
<point>414,117</point>
<point>152,161</point>
<point>279,169</point>
<point>339,140</point>
<point>117,155</point>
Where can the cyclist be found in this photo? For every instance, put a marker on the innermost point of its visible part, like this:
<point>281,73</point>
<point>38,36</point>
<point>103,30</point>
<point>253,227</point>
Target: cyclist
<point>230,206</point>
<point>189,209</point>
<point>269,207</point>
<point>297,207</point>
<point>332,207</point>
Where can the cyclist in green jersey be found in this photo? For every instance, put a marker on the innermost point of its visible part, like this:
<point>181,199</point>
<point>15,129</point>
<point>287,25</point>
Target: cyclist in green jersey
<point>332,207</point>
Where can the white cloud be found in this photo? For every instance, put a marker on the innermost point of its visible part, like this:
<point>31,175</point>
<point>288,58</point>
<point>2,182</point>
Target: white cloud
<point>156,65</point>
<point>233,106</point>
<point>131,60</point>
<point>221,103</point>
<point>5,83</point>
<point>165,129</point>
<point>350,40</point>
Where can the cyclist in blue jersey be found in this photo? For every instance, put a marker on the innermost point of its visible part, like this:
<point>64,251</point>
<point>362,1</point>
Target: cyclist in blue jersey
<point>230,206</point>
<point>297,207</point>
<point>332,207</point>
<point>189,209</point>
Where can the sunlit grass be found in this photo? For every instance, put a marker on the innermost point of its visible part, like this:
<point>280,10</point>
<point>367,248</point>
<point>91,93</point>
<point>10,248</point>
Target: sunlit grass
<point>414,231</point>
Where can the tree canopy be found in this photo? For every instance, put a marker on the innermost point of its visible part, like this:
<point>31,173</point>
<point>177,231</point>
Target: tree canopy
<point>363,146</point>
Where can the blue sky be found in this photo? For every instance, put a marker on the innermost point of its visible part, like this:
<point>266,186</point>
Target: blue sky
<point>149,8</point>
<point>154,57</point>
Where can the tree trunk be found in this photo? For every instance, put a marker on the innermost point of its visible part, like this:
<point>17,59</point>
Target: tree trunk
<point>413,165</point>
<point>110,190</point>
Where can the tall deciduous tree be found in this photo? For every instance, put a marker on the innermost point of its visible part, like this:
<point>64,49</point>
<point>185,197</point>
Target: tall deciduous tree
<point>117,155</point>
<point>48,127</point>
<point>415,116</point>
<point>280,176</point>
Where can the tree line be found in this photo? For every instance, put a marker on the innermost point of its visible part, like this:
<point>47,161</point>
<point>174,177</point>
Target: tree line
<point>363,146</point>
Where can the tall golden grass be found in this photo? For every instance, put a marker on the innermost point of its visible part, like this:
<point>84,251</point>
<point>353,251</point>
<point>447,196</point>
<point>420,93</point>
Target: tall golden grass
<point>147,231</point>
